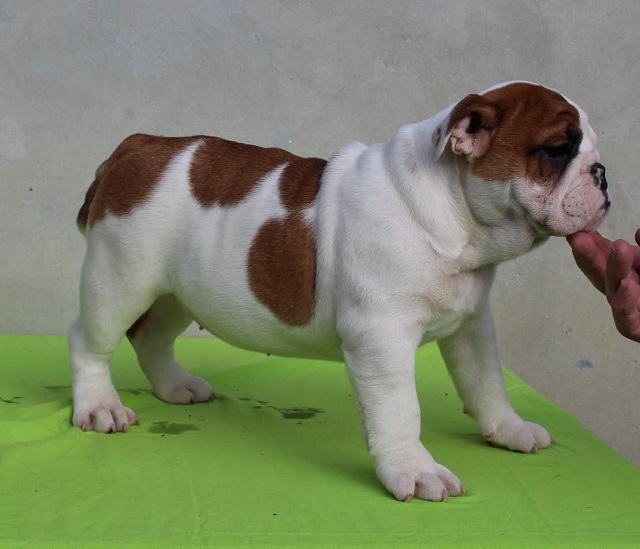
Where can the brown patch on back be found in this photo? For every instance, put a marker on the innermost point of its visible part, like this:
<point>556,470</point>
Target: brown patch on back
<point>222,173</point>
<point>225,172</point>
<point>127,178</point>
<point>528,116</point>
<point>282,269</point>
<point>300,182</point>
<point>282,258</point>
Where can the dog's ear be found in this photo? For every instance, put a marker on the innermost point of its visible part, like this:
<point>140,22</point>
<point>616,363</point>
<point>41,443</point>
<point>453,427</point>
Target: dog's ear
<point>469,128</point>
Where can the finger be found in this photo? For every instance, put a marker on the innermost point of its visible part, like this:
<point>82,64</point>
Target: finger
<point>582,242</point>
<point>619,266</point>
<point>625,307</point>
<point>590,256</point>
<point>603,243</point>
<point>590,244</point>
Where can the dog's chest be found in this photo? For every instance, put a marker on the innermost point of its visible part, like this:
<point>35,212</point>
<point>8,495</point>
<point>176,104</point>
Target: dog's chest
<point>451,300</point>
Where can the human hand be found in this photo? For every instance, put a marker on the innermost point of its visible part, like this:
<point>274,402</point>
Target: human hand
<point>591,252</point>
<point>613,268</point>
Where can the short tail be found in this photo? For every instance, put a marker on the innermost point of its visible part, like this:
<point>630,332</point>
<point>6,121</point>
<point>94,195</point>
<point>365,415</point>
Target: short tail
<point>85,210</point>
<point>90,210</point>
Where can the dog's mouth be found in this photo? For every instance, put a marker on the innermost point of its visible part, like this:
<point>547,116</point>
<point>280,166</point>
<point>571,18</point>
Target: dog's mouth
<point>572,216</point>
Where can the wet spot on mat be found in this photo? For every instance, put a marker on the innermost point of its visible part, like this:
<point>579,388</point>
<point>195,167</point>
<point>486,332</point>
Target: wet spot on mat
<point>286,413</point>
<point>135,392</point>
<point>299,413</point>
<point>169,428</point>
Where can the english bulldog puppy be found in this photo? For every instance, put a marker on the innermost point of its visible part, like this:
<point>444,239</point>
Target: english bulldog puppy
<point>362,258</point>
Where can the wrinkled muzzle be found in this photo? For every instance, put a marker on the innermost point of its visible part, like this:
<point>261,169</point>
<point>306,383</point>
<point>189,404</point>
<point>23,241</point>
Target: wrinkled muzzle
<point>584,207</point>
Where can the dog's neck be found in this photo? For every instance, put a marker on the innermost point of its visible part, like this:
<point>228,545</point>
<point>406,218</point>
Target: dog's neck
<point>437,193</point>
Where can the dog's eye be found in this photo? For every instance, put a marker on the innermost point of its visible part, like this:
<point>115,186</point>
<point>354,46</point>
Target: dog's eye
<point>556,150</point>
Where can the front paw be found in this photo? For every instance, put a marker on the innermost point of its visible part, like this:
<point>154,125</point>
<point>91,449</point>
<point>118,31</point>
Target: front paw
<point>518,435</point>
<point>104,418</point>
<point>414,473</point>
<point>98,408</point>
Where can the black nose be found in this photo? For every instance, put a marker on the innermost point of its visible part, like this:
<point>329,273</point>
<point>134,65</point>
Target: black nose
<point>597,171</point>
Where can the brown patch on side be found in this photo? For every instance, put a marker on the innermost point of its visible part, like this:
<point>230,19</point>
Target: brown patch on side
<point>282,269</point>
<point>127,178</point>
<point>225,172</point>
<point>526,117</point>
<point>282,258</point>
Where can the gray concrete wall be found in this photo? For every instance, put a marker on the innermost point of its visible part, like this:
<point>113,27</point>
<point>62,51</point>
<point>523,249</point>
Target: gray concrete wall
<point>77,77</point>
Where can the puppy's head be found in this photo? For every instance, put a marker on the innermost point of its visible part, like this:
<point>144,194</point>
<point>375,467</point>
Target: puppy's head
<point>527,150</point>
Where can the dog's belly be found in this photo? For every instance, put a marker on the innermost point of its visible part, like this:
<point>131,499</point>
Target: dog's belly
<point>244,323</point>
<point>272,342</point>
<point>223,304</point>
<point>234,316</point>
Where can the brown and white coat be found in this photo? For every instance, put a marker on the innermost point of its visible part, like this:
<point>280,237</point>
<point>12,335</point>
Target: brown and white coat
<point>362,258</point>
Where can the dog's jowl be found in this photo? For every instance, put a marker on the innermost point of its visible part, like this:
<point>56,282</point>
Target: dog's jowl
<point>361,258</point>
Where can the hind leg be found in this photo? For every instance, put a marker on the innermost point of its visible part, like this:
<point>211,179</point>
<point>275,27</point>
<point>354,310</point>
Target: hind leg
<point>111,298</point>
<point>152,337</point>
<point>96,404</point>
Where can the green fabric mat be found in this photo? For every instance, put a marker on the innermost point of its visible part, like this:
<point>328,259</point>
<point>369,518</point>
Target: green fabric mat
<point>277,461</point>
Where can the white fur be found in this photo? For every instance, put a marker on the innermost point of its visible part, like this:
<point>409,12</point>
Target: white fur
<point>406,249</point>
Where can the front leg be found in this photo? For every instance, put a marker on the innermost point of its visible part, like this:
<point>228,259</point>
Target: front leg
<point>381,364</point>
<point>471,357</point>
